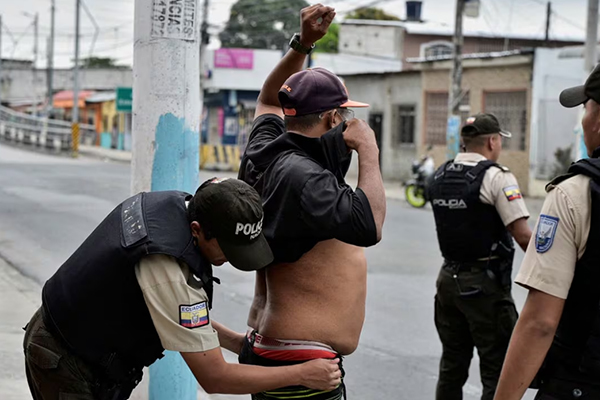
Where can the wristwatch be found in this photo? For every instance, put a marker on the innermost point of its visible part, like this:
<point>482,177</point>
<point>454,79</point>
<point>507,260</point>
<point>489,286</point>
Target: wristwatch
<point>299,47</point>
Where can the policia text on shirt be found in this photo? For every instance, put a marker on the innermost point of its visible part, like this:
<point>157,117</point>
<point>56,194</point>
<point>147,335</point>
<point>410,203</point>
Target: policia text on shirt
<point>142,283</point>
<point>477,205</point>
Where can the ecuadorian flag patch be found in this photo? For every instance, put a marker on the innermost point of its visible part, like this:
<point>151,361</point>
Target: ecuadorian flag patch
<point>512,193</point>
<point>193,316</point>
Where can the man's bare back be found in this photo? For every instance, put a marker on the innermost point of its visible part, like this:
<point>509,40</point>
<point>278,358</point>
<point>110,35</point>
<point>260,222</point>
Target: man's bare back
<point>320,297</point>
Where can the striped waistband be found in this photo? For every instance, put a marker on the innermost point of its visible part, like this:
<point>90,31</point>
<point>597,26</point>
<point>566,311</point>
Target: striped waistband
<point>288,350</point>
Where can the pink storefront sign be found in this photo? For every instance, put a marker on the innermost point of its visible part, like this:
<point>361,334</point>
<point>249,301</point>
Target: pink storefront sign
<point>234,58</point>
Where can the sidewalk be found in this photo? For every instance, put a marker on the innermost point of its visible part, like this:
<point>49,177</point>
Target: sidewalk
<point>20,297</point>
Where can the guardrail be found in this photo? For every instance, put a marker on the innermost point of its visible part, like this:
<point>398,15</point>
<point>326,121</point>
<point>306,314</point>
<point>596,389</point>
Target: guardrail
<point>40,132</point>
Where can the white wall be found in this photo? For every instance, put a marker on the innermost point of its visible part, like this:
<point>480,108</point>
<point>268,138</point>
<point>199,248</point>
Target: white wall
<point>371,40</point>
<point>241,79</point>
<point>28,84</point>
<point>552,126</point>
<point>384,93</point>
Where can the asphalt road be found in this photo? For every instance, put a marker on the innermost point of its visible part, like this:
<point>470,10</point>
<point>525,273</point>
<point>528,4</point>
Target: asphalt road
<point>49,204</point>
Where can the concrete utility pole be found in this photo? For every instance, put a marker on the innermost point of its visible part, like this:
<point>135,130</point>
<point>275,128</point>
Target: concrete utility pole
<point>454,95</point>
<point>75,124</point>
<point>36,20</point>
<point>50,64</point>
<point>548,16</point>
<point>166,132</point>
<point>591,40</point>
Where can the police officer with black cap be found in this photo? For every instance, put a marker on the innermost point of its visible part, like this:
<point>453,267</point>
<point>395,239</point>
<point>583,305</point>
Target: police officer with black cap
<point>477,206</point>
<point>558,334</point>
<point>142,283</point>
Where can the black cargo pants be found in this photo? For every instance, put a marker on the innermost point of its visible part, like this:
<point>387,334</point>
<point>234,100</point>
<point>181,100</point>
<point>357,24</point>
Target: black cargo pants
<point>471,310</point>
<point>53,373</point>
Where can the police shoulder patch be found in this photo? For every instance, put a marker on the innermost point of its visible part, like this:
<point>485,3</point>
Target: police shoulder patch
<point>512,193</point>
<point>193,316</point>
<point>546,230</point>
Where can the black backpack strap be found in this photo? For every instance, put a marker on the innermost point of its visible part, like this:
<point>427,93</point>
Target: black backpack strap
<point>588,167</point>
<point>442,170</point>
<point>480,168</point>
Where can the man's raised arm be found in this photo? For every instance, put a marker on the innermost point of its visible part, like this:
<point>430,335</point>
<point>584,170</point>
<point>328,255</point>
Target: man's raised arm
<point>315,21</point>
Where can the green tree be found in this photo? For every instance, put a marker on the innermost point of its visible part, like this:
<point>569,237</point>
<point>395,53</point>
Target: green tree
<point>372,13</point>
<point>98,62</point>
<point>262,24</point>
<point>329,42</point>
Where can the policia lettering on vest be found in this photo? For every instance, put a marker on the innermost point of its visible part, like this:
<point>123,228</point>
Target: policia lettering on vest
<point>558,334</point>
<point>142,283</point>
<point>477,206</point>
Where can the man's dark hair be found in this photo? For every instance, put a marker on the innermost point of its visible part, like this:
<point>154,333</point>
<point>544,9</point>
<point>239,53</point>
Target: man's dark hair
<point>476,142</point>
<point>195,212</point>
<point>303,122</point>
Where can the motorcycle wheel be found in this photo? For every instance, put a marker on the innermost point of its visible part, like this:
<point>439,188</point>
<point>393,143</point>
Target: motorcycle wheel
<point>414,196</point>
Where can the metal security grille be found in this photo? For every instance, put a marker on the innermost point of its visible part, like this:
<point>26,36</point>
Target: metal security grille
<point>436,117</point>
<point>511,110</point>
<point>406,125</point>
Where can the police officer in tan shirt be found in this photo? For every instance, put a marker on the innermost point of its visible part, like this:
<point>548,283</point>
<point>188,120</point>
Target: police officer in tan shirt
<point>557,337</point>
<point>140,284</point>
<point>477,206</point>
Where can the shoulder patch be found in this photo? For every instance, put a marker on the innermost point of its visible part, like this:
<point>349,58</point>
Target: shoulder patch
<point>512,193</point>
<point>546,230</point>
<point>193,316</point>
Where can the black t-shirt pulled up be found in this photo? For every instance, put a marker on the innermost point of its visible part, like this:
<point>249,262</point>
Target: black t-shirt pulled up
<point>305,197</point>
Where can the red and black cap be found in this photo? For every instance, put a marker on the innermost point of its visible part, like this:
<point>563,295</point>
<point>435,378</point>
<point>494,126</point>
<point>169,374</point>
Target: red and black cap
<point>313,91</point>
<point>577,95</point>
<point>483,124</point>
<point>233,213</point>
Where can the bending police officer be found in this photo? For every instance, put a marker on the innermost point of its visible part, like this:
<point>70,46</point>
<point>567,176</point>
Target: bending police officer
<point>477,206</point>
<point>558,333</point>
<point>142,283</point>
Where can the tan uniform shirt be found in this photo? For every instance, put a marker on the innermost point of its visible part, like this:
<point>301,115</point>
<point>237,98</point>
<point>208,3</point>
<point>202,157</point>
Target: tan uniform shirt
<point>499,189</point>
<point>560,238</point>
<point>179,310</point>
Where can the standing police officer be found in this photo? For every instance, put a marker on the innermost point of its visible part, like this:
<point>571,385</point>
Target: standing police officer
<point>560,322</point>
<point>142,283</point>
<point>477,206</point>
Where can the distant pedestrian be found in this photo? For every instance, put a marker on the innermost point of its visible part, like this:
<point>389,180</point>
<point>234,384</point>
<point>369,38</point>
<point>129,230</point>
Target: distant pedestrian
<point>558,334</point>
<point>477,206</point>
<point>142,283</point>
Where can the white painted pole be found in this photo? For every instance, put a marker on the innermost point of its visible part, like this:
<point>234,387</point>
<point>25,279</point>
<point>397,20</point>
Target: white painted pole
<point>166,126</point>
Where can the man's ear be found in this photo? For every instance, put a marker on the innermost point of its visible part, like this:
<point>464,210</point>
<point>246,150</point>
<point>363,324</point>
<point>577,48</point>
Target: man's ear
<point>196,230</point>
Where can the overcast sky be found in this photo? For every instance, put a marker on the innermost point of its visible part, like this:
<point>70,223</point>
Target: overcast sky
<point>115,18</point>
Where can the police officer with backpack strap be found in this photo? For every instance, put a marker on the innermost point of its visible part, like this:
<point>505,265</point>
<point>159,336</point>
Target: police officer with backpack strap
<point>142,283</point>
<point>477,206</point>
<point>558,334</point>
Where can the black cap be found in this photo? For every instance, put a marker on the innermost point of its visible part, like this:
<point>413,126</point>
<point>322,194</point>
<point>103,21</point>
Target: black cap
<point>313,91</point>
<point>232,211</point>
<point>482,124</point>
<point>577,95</point>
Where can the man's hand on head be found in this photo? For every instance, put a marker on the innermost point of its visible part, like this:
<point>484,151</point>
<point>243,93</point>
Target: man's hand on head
<point>359,136</point>
<point>315,21</point>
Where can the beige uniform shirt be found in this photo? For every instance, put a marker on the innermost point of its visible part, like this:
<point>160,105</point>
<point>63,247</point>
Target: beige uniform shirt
<point>560,238</point>
<point>499,189</point>
<point>179,310</point>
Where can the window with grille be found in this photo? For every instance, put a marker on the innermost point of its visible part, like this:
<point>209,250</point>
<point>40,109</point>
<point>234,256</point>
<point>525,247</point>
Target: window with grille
<point>436,116</point>
<point>511,110</point>
<point>406,125</point>
<point>435,49</point>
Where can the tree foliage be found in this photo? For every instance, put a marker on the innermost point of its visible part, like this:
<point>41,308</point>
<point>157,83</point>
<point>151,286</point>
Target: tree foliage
<point>262,24</point>
<point>372,13</point>
<point>98,62</point>
<point>329,42</point>
<point>562,161</point>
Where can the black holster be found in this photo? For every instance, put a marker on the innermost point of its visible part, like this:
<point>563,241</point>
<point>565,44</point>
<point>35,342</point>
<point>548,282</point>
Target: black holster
<point>107,389</point>
<point>502,268</point>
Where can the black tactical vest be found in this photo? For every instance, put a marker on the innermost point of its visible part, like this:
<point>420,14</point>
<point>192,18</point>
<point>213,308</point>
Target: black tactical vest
<point>575,351</point>
<point>94,301</point>
<point>467,229</point>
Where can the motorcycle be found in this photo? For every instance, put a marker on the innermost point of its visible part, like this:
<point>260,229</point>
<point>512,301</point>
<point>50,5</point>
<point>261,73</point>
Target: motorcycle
<point>416,188</point>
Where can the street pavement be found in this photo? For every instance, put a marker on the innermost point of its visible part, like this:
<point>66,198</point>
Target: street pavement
<point>49,204</point>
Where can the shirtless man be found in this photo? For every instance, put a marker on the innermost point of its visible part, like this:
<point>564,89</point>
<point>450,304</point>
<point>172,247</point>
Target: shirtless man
<point>310,303</point>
